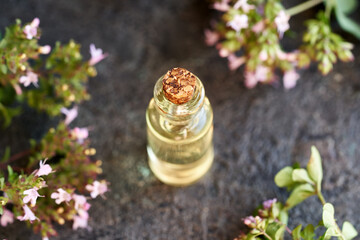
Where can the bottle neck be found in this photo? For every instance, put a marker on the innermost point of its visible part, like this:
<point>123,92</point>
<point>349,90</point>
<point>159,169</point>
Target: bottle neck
<point>179,116</point>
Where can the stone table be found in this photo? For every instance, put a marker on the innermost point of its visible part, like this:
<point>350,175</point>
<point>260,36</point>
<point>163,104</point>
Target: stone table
<point>256,132</point>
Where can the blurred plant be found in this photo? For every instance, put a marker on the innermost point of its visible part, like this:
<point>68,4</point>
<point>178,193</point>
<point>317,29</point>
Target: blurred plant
<point>52,189</point>
<point>249,33</point>
<point>271,219</point>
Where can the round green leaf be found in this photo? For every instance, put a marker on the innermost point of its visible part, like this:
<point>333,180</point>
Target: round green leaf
<point>284,177</point>
<point>328,215</point>
<point>349,231</point>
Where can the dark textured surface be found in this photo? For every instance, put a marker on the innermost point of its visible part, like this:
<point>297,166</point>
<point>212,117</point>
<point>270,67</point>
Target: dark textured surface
<point>257,132</point>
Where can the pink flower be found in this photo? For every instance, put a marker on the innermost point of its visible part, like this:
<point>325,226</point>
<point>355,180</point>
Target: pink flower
<point>222,6</point>
<point>61,196</point>
<point>258,27</point>
<point>211,37</point>
<point>29,215</point>
<point>80,134</point>
<point>98,188</point>
<point>244,5</point>
<point>251,221</point>
<point>263,56</point>
<point>223,52</point>
<point>80,202</point>
<point>250,80</point>
<point>44,169</point>
<point>80,222</point>
<point>261,73</point>
<point>31,29</point>
<point>282,22</point>
<point>32,195</point>
<point>96,54</point>
<point>6,218</point>
<point>290,78</point>
<point>268,203</point>
<point>235,62</point>
<point>71,114</point>
<point>29,78</point>
<point>239,22</point>
<point>44,49</point>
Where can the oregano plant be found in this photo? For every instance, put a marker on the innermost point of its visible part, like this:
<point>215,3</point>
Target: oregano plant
<point>270,220</point>
<point>249,33</point>
<point>53,180</point>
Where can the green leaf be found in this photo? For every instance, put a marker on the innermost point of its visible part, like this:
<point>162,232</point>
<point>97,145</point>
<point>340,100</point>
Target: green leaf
<point>1,210</point>
<point>346,6</point>
<point>275,230</point>
<point>3,68</point>
<point>348,230</point>
<point>346,23</point>
<point>314,168</point>
<point>296,233</point>
<point>299,194</point>
<point>284,217</point>
<point>308,232</point>
<point>2,182</point>
<point>284,177</point>
<point>301,175</point>
<point>328,215</point>
<point>330,232</point>
<point>10,171</point>
<point>6,154</point>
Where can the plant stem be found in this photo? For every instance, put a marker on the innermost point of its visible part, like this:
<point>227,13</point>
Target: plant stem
<point>321,197</point>
<point>266,235</point>
<point>302,7</point>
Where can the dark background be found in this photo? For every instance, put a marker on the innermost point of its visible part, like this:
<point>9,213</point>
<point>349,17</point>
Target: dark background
<point>257,132</point>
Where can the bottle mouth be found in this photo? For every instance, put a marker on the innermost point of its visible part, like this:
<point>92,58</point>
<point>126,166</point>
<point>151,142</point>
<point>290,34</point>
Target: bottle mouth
<point>171,109</point>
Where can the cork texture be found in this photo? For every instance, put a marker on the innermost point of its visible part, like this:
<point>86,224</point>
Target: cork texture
<point>179,85</point>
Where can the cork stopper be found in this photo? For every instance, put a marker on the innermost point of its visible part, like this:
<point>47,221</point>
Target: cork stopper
<point>179,85</point>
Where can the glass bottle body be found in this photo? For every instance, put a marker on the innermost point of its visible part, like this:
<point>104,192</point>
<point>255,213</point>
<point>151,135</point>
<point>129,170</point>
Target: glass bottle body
<point>180,148</point>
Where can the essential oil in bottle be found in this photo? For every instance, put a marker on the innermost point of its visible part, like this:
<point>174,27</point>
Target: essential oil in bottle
<point>179,129</point>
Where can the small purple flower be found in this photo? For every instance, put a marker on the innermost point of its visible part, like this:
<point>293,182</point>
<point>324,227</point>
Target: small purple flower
<point>6,218</point>
<point>251,221</point>
<point>80,134</point>
<point>239,22</point>
<point>250,79</point>
<point>290,78</point>
<point>261,73</point>
<point>268,203</point>
<point>235,62</point>
<point>282,22</point>
<point>96,55</point>
<point>44,169</point>
<point>29,215</point>
<point>97,188</point>
<point>31,195</point>
<point>243,5</point>
<point>80,202</point>
<point>31,29</point>
<point>44,49</point>
<point>29,78</point>
<point>211,37</point>
<point>222,6</point>
<point>258,27</point>
<point>80,221</point>
<point>71,114</point>
<point>61,196</point>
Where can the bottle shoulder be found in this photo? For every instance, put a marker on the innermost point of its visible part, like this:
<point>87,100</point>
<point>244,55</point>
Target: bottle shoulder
<point>182,130</point>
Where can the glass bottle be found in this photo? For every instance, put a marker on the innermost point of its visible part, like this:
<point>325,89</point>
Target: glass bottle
<point>179,129</point>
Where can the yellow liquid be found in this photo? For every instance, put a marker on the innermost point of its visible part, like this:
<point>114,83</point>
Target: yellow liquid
<point>181,154</point>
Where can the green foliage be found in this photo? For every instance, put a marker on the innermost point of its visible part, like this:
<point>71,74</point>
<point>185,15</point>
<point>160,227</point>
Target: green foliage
<point>324,46</point>
<point>62,75</point>
<point>271,222</point>
<point>47,84</point>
